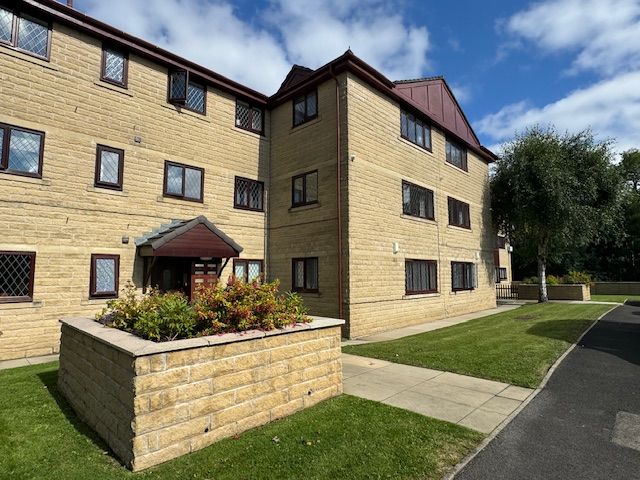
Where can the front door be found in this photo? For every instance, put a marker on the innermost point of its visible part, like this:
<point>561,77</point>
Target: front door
<point>203,272</point>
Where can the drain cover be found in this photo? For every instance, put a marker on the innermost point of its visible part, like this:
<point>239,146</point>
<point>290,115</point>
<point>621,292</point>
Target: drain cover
<point>626,432</point>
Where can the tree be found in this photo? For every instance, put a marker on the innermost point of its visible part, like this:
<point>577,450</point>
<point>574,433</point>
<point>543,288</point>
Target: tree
<point>630,168</point>
<point>551,193</point>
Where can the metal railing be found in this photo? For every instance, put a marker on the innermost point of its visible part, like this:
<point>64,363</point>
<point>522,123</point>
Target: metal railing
<point>506,291</point>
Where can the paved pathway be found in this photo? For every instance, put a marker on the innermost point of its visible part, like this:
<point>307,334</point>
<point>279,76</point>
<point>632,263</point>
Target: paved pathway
<point>585,423</point>
<point>469,401</point>
<point>24,362</point>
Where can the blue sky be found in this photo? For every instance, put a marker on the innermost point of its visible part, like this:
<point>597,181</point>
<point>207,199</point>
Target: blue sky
<point>512,64</point>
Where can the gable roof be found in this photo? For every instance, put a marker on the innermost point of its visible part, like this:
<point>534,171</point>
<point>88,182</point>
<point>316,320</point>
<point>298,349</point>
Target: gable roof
<point>297,74</point>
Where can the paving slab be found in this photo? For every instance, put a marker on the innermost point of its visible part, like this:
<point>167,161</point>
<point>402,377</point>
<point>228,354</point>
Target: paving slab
<point>502,405</point>
<point>363,361</point>
<point>516,393</point>
<point>430,406</point>
<point>465,396</point>
<point>7,364</point>
<point>483,420</point>
<point>472,383</point>
<point>409,370</point>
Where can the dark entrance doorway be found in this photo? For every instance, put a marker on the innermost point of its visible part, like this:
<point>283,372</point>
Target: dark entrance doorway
<point>184,274</point>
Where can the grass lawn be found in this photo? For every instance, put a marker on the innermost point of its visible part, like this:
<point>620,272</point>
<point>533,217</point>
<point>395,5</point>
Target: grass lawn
<point>342,438</point>
<point>614,298</point>
<point>515,347</point>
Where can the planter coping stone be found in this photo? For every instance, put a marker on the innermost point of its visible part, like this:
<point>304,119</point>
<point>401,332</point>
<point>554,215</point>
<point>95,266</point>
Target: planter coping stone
<point>138,347</point>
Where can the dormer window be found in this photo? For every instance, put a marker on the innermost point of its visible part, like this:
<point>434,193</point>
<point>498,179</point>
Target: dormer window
<point>183,91</point>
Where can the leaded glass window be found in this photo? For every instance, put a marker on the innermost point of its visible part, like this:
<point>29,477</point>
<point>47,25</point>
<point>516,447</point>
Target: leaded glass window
<point>6,25</point>
<point>249,194</point>
<point>21,150</point>
<point>196,97</point>
<point>105,271</point>
<point>109,167</point>
<point>114,66</point>
<point>16,276</point>
<point>248,117</point>
<point>247,270</point>
<point>304,189</point>
<point>33,37</point>
<point>305,274</point>
<point>183,181</point>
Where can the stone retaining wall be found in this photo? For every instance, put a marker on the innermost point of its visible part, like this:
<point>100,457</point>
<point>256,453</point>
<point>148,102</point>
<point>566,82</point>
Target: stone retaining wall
<point>555,292</point>
<point>151,402</point>
<point>615,288</point>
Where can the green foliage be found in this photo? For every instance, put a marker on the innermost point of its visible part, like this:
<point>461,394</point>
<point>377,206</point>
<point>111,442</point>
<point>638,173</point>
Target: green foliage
<point>531,280</point>
<point>575,277</point>
<point>553,280</point>
<point>234,307</point>
<point>630,168</point>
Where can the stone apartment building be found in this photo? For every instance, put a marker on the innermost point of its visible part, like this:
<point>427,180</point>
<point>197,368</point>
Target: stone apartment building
<point>121,162</point>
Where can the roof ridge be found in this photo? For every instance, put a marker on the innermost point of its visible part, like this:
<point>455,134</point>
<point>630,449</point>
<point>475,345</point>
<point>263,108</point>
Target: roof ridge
<point>423,79</point>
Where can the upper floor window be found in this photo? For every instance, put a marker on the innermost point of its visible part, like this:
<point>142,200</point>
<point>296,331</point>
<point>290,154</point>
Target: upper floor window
<point>109,167</point>
<point>459,213</point>
<point>305,108</point>
<point>463,276</point>
<point>417,201</point>
<point>183,181</point>
<point>247,270</point>
<point>415,130</point>
<point>115,67</point>
<point>184,91</point>
<point>501,242</point>
<point>25,33</point>
<point>305,274</point>
<point>421,276</point>
<point>304,189</point>
<point>249,117</point>
<point>456,155</point>
<point>249,194</point>
<point>105,273</point>
<point>16,276</point>
<point>21,151</point>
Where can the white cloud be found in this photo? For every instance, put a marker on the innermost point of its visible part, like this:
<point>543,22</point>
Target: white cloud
<point>259,52</point>
<point>463,93</point>
<point>611,108</point>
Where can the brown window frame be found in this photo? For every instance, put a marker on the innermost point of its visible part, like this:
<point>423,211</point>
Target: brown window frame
<point>454,203</point>
<point>13,43</point>
<point>465,287</point>
<point>101,184</point>
<point>430,264</point>
<point>4,151</point>
<point>182,102</point>
<point>426,128</point>
<point>246,262</point>
<point>27,298</point>
<point>431,212</point>
<point>465,163</point>
<point>307,117</point>
<point>303,289</point>
<point>501,242</point>
<point>304,189</point>
<point>103,65</point>
<point>235,195</point>
<point>168,163</point>
<point>501,274</point>
<point>92,276</point>
<point>251,107</point>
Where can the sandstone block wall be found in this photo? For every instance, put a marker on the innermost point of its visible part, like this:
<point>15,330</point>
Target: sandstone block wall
<point>153,407</point>
<point>615,288</point>
<point>555,292</point>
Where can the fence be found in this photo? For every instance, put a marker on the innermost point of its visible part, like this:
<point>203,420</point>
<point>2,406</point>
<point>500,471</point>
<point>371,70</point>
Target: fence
<point>507,291</point>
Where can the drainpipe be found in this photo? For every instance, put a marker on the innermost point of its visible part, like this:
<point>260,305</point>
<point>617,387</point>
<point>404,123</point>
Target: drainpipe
<point>338,195</point>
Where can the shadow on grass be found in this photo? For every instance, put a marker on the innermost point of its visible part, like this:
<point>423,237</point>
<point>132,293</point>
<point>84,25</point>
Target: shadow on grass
<point>50,380</point>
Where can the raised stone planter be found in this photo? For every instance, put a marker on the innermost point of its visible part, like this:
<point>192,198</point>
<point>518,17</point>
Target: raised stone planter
<point>555,292</point>
<point>151,402</point>
<point>615,288</point>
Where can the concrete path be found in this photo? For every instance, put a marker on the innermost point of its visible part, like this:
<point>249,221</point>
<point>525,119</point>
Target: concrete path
<point>428,326</point>
<point>469,401</point>
<point>25,362</point>
<point>585,423</point>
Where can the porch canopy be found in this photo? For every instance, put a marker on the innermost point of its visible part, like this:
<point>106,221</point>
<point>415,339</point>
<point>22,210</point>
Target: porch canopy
<point>197,237</point>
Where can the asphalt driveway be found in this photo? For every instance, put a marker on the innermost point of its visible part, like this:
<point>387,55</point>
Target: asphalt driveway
<point>585,424</point>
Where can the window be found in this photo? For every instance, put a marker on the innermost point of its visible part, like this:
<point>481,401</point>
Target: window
<point>183,91</point>
<point>115,67</point>
<point>249,194</point>
<point>21,151</point>
<point>247,270</point>
<point>456,155</point>
<point>417,201</point>
<point>501,274</point>
<point>305,108</point>
<point>415,130</point>
<point>249,117</point>
<point>305,274</point>
<point>304,189</point>
<point>459,213</point>
<point>105,273</point>
<point>16,276</point>
<point>501,242</point>
<point>25,33</point>
<point>421,276</point>
<point>109,167</point>
<point>463,276</point>
<point>182,181</point>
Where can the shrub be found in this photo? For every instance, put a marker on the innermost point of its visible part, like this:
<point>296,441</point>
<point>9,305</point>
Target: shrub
<point>553,280</point>
<point>235,307</point>
<point>531,280</point>
<point>575,277</point>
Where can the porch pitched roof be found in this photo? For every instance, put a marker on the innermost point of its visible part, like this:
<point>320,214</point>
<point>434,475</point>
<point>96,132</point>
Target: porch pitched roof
<point>197,237</point>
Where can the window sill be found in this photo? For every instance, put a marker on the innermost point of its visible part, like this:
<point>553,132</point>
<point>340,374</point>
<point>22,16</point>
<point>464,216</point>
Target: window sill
<point>420,295</point>
<point>304,125</point>
<point>310,294</point>
<point>27,58</point>
<point>183,111</point>
<point>304,208</point>
<point>458,169</point>
<point>180,201</point>
<point>113,88</point>
<point>251,133</point>
<point>463,291</point>
<point>428,221</point>
<point>417,147</point>
<point>107,191</point>
<point>15,177</point>
<point>21,305</point>
<point>463,229</point>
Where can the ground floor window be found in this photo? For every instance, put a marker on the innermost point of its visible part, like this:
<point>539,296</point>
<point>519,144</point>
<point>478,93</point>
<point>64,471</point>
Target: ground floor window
<point>463,276</point>
<point>248,270</point>
<point>305,274</point>
<point>105,273</point>
<point>16,276</point>
<point>421,276</point>
<point>501,274</point>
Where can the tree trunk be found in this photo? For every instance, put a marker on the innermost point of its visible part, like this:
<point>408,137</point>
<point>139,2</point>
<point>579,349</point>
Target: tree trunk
<point>542,275</point>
